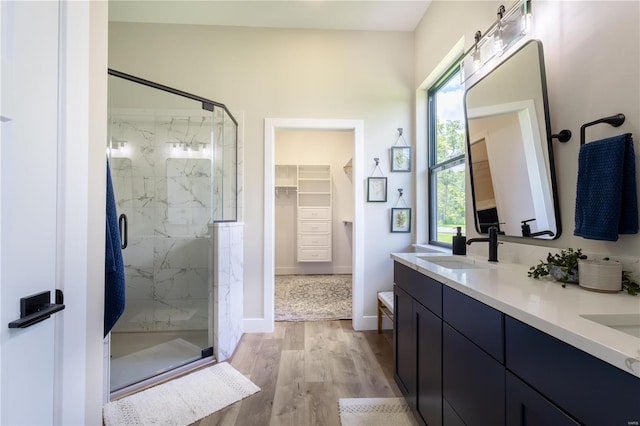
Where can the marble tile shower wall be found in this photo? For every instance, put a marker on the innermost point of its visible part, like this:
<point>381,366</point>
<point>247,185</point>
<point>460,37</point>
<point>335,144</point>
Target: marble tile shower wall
<point>168,202</point>
<point>226,179</point>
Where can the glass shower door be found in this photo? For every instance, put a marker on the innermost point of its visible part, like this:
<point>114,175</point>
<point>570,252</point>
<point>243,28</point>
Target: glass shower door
<point>161,148</point>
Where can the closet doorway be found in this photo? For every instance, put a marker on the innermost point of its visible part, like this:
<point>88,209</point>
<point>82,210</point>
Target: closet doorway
<point>354,142</point>
<point>313,244</point>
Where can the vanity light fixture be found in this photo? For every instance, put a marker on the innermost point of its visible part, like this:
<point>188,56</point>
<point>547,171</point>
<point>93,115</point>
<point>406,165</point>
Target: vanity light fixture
<point>193,149</point>
<point>525,24</point>
<point>510,26</point>
<point>119,148</point>
<point>477,57</point>
<point>498,42</point>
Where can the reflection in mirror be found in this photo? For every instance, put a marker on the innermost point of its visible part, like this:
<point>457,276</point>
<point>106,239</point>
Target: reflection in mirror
<point>509,148</point>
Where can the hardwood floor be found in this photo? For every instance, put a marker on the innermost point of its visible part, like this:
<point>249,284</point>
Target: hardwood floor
<point>303,368</point>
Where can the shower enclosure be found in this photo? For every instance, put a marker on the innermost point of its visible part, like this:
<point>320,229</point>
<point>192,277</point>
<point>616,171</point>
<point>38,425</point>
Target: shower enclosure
<point>173,160</point>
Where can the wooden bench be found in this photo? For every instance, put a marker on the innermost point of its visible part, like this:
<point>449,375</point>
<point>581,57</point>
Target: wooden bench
<point>385,307</point>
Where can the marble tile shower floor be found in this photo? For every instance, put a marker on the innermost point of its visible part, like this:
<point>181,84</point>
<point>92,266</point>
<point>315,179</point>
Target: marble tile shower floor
<point>138,356</point>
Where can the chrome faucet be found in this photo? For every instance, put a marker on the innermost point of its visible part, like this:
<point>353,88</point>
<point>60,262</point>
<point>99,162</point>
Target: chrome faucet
<point>493,243</point>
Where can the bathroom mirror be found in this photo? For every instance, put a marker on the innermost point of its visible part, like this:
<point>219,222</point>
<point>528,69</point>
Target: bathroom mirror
<point>509,151</point>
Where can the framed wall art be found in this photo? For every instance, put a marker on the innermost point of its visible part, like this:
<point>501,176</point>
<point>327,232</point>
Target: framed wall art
<point>400,158</point>
<point>377,189</point>
<point>401,219</point>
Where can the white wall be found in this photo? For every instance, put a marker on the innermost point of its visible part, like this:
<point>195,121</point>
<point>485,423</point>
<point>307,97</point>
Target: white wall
<point>301,147</point>
<point>292,74</point>
<point>592,58</point>
<point>82,212</point>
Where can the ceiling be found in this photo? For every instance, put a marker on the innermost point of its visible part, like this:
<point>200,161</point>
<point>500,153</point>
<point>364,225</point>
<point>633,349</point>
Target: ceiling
<point>362,15</point>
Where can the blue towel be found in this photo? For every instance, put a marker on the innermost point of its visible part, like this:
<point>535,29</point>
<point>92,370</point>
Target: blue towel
<point>114,285</point>
<point>606,196</point>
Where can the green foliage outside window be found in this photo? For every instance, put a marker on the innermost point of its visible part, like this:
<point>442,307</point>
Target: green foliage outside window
<point>450,182</point>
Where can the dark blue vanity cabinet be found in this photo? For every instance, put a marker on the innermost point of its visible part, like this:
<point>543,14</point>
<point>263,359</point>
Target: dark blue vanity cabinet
<point>418,342</point>
<point>584,387</point>
<point>461,362</point>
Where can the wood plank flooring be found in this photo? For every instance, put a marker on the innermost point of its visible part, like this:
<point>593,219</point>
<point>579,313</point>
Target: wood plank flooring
<point>303,368</point>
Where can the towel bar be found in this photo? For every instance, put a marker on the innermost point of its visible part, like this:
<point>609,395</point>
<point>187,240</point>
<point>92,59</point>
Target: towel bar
<point>614,120</point>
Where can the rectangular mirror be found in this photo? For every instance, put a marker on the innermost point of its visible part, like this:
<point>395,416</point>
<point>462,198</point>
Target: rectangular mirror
<point>509,151</point>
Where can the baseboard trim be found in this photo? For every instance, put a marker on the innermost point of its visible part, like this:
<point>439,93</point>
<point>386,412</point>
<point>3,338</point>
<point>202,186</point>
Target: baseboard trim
<point>257,325</point>
<point>262,325</point>
<point>313,270</point>
<point>370,322</point>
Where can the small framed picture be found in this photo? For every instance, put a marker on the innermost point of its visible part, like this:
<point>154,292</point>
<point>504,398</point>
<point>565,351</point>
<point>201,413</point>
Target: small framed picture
<point>400,158</point>
<point>401,219</point>
<point>377,189</point>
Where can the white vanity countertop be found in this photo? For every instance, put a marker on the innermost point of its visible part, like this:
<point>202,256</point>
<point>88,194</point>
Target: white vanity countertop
<point>543,304</point>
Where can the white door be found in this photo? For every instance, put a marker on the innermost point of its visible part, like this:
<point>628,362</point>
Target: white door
<point>28,210</point>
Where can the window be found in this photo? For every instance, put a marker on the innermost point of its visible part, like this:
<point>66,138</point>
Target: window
<point>446,157</point>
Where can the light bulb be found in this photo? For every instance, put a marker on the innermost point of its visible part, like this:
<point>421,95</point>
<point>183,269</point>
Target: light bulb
<point>477,59</point>
<point>498,43</point>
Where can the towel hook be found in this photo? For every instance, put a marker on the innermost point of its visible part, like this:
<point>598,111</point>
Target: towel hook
<point>614,120</point>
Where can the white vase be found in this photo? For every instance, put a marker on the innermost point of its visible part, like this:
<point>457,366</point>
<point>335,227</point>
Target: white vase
<point>600,275</point>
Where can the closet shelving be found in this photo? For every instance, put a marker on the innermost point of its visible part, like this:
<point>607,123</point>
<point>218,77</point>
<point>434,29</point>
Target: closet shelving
<point>314,213</point>
<point>312,186</point>
<point>286,176</point>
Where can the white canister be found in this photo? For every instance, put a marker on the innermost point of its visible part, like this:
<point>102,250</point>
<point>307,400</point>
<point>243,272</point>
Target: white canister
<point>600,275</point>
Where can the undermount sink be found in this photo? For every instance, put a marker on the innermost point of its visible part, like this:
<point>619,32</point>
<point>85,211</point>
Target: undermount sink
<point>627,323</point>
<point>451,262</point>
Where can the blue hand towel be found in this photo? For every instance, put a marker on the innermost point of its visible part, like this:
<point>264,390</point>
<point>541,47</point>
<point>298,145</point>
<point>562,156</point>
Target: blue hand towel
<point>114,285</point>
<point>606,196</point>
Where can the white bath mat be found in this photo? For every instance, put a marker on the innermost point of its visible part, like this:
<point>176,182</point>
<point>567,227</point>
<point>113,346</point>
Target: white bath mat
<point>375,412</point>
<point>181,401</point>
<point>137,366</point>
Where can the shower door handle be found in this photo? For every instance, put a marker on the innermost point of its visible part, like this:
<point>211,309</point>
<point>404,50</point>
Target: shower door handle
<point>123,225</point>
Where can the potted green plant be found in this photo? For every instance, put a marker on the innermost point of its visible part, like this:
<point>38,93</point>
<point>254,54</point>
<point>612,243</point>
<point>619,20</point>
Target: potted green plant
<point>629,284</point>
<point>561,266</point>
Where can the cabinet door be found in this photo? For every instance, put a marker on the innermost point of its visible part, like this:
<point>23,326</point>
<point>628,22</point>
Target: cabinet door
<point>473,382</point>
<point>450,417</point>
<point>478,322</point>
<point>404,344</point>
<point>589,389</point>
<point>429,364</point>
<point>526,407</point>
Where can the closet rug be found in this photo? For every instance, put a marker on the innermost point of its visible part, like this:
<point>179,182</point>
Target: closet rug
<point>312,297</point>
<point>181,401</point>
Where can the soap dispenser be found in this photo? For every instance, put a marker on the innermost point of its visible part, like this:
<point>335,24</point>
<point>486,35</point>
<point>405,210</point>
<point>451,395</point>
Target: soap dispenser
<point>459,243</point>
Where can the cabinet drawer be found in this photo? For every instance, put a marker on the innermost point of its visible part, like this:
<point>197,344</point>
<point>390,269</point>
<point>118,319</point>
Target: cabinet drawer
<point>315,213</point>
<point>526,407</point>
<point>314,254</point>
<point>314,227</point>
<point>314,240</point>
<point>587,388</point>
<point>425,290</point>
<point>480,323</point>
